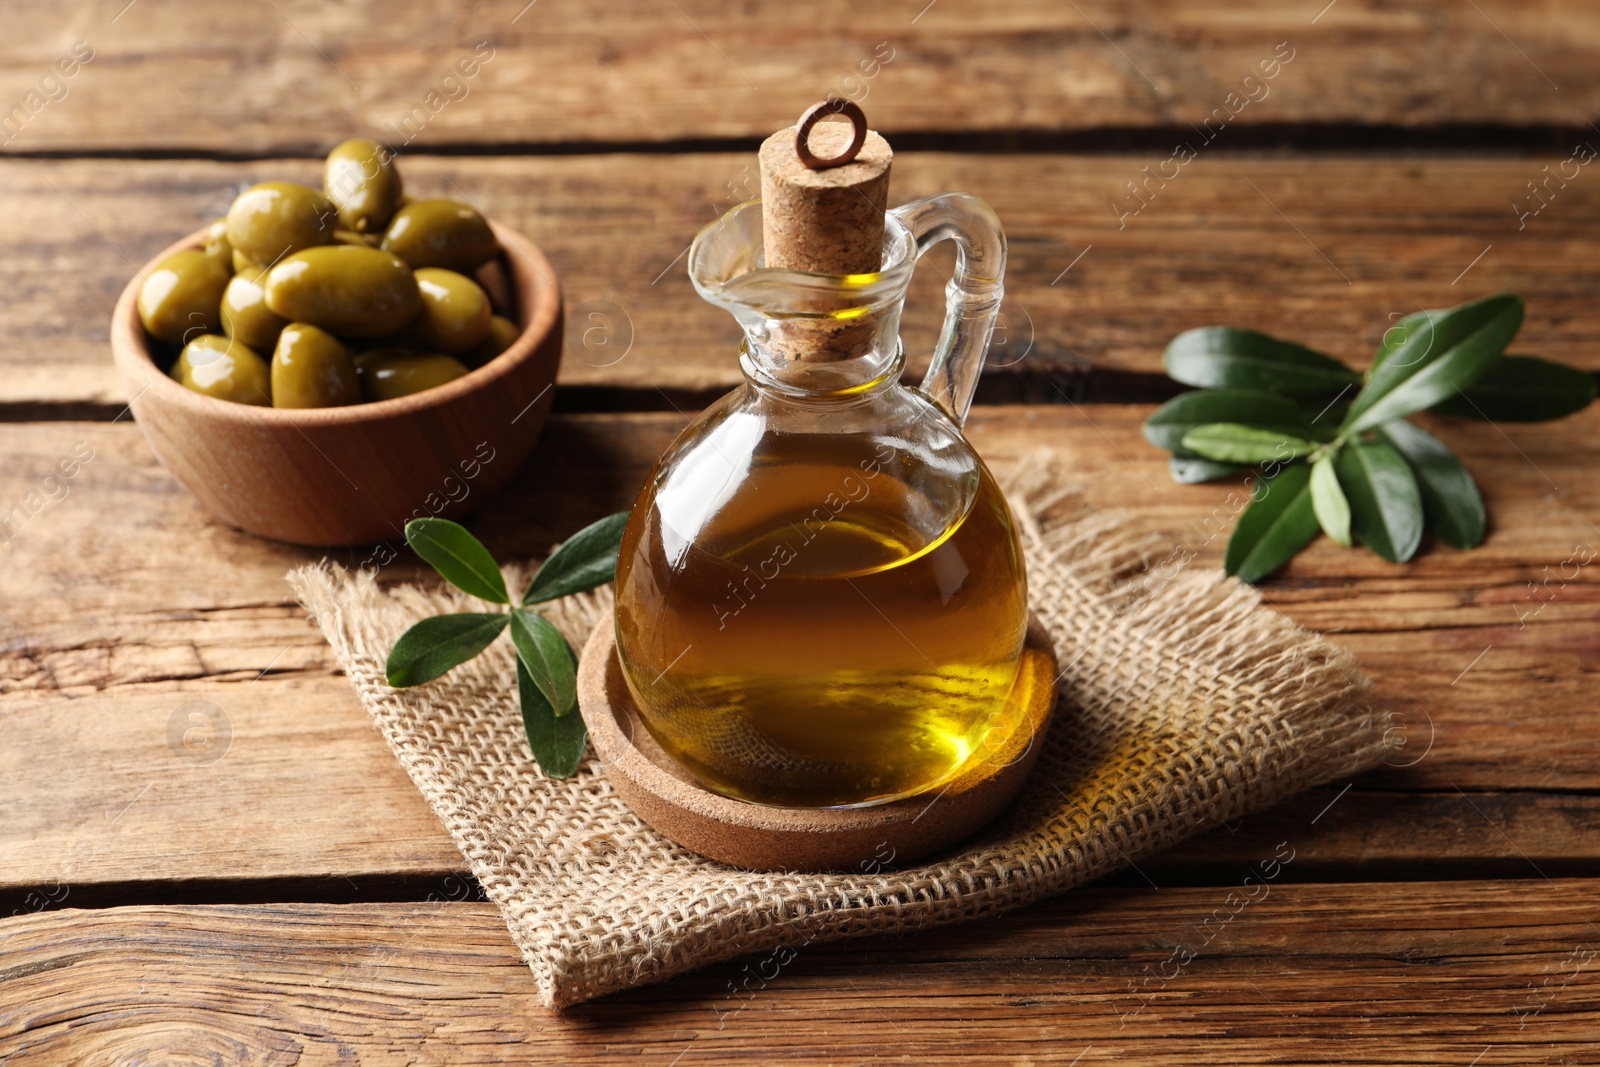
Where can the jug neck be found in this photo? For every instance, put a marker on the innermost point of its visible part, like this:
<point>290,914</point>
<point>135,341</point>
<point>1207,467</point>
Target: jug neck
<point>876,368</point>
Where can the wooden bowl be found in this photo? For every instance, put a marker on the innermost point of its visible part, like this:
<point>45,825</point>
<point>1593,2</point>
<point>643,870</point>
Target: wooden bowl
<point>356,474</point>
<point>763,838</point>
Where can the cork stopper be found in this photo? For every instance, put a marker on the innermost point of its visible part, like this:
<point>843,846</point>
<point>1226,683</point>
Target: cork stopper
<point>824,190</point>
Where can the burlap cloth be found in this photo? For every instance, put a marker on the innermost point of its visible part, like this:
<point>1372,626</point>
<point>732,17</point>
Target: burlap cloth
<point>1184,703</point>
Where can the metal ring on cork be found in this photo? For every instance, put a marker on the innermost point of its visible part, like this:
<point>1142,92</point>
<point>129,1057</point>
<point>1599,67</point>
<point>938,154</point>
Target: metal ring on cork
<point>815,114</point>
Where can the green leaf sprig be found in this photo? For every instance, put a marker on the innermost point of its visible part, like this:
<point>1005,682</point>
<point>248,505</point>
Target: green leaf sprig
<point>546,665</point>
<point>1352,466</point>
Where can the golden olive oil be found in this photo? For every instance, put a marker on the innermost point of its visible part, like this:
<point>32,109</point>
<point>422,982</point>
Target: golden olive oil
<point>815,630</point>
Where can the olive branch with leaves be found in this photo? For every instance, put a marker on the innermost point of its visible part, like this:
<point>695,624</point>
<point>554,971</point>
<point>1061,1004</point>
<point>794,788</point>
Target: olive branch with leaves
<point>546,665</point>
<point>1355,470</point>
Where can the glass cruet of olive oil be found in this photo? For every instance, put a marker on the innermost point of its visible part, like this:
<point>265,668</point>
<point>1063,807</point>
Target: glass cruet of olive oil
<point>821,598</point>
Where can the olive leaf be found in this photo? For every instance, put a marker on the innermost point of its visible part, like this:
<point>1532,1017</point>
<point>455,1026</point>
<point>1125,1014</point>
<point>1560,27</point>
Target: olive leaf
<point>1249,407</point>
<point>1220,357</point>
<point>1327,500</point>
<point>1190,470</point>
<point>1278,523</point>
<point>1230,442</point>
<point>1385,504</point>
<point>1439,355</point>
<point>459,558</point>
<point>585,560</point>
<point>437,644</point>
<point>1400,332</point>
<point>1451,501</point>
<point>557,741</point>
<point>548,659</point>
<point>1522,389</point>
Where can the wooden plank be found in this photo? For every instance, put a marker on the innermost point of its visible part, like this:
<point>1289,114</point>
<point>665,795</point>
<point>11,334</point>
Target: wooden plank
<point>1329,251</point>
<point>122,602</point>
<point>192,783</point>
<point>645,72</point>
<point>1365,832</point>
<point>1504,972</point>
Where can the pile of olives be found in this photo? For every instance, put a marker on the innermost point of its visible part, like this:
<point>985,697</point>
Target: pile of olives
<point>307,299</point>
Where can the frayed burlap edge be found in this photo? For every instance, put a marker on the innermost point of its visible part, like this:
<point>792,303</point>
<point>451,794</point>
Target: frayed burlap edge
<point>1184,703</point>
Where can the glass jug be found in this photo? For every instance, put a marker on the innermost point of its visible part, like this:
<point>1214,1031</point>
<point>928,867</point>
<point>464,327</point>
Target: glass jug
<point>820,595</point>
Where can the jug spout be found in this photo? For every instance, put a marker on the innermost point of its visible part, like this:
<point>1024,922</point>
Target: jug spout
<point>972,299</point>
<point>812,333</point>
<point>805,333</point>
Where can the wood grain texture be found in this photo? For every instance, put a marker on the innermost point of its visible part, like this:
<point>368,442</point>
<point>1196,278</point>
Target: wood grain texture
<point>294,71</point>
<point>1327,251</point>
<point>1366,973</point>
<point>122,602</point>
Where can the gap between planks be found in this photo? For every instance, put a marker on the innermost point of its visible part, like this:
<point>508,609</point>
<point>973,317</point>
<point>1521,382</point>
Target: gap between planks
<point>1064,385</point>
<point>1493,139</point>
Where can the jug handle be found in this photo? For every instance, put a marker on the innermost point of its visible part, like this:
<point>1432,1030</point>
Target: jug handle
<point>972,299</point>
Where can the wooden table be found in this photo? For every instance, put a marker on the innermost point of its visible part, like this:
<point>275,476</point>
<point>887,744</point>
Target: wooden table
<point>251,879</point>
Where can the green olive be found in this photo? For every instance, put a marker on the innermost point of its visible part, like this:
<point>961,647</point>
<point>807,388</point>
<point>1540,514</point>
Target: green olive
<point>242,261</point>
<point>311,369</point>
<point>274,219</point>
<point>218,247</point>
<point>502,333</point>
<point>385,376</point>
<point>382,352</point>
<point>455,311</point>
<point>345,289</point>
<point>441,233</point>
<point>224,368</point>
<point>182,297</point>
<point>245,315</point>
<point>361,179</point>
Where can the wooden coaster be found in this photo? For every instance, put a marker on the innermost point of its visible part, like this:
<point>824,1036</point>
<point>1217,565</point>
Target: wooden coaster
<point>804,839</point>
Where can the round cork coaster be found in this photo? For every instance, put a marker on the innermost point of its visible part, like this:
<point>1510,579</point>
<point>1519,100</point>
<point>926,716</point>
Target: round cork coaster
<point>805,839</point>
